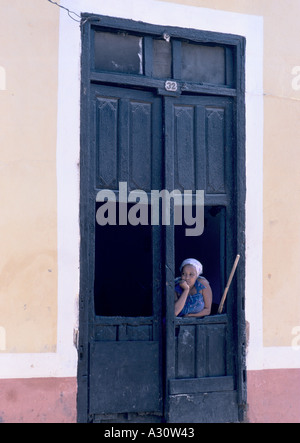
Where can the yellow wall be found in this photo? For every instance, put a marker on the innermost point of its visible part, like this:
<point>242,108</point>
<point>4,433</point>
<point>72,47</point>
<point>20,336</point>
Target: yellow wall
<point>28,231</point>
<point>281,245</point>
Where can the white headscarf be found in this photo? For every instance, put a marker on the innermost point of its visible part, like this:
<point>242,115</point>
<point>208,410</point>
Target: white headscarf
<point>191,261</point>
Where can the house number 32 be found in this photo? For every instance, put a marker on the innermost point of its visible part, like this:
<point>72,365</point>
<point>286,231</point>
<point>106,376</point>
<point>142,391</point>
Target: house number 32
<point>171,86</point>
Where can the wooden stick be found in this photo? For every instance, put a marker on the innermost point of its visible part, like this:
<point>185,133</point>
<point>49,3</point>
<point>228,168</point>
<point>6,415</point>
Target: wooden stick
<point>228,284</point>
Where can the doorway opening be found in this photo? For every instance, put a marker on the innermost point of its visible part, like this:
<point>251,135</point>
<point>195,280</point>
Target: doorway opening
<point>208,248</point>
<point>123,268</point>
<point>124,262</point>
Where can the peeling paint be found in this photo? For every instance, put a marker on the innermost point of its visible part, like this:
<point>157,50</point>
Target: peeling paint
<point>140,55</point>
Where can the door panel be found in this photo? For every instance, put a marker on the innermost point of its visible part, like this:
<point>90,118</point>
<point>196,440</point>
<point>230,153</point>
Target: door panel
<point>209,407</point>
<point>200,137</point>
<point>126,128</point>
<point>125,377</point>
<point>185,146</point>
<point>107,111</point>
<point>200,349</point>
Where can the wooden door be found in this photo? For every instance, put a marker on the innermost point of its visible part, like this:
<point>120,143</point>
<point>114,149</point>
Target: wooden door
<point>125,318</point>
<point>201,383</point>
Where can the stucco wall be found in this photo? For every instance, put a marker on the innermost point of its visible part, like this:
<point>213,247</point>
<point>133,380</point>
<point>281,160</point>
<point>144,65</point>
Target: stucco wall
<point>38,400</point>
<point>28,227</point>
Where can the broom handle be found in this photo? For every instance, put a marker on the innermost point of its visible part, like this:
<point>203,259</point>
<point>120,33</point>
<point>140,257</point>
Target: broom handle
<point>228,284</point>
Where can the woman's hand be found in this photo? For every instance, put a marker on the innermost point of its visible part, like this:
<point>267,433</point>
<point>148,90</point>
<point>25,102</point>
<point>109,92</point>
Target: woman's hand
<point>183,284</point>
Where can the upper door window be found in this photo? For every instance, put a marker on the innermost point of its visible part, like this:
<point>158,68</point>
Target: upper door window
<point>203,64</point>
<point>163,57</point>
<point>118,52</point>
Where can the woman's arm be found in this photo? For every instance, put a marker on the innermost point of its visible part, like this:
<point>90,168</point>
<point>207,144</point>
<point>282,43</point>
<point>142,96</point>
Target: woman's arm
<point>207,296</point>
<point>181,299</point>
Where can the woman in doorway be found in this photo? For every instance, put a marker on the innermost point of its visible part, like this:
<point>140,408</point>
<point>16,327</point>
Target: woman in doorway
<point>193,294</point>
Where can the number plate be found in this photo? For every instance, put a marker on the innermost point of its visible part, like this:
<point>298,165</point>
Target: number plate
<point>171,86</point>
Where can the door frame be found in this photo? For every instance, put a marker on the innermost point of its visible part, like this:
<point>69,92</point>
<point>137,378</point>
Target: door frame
<point>88,75</point>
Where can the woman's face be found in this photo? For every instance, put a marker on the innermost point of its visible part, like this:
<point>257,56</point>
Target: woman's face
<point>189,274</point>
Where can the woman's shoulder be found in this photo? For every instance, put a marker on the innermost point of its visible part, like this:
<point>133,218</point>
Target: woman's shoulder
<point>202,282</point>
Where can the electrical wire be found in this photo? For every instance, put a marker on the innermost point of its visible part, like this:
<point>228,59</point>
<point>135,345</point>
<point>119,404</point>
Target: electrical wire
<point>70,13</point>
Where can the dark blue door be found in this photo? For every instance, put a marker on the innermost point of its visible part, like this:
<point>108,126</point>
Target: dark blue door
<point>201,384</point>
<point>125,351</point>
